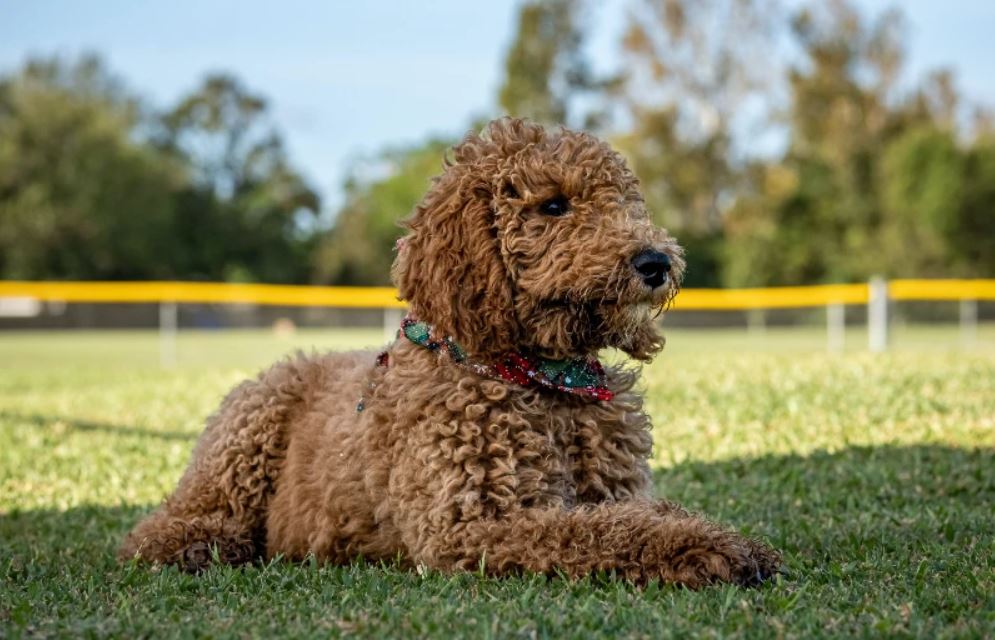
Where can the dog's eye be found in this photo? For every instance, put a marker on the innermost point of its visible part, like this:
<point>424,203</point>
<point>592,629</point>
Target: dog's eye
<point>555,206</point>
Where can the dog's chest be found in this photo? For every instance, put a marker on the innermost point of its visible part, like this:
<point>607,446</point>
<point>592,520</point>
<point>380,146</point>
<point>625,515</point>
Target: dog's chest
<point>483,447</point>
<point>524,454</point>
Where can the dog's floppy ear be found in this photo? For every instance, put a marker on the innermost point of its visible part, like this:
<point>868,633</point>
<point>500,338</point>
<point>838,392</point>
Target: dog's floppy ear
<point>449,266</point>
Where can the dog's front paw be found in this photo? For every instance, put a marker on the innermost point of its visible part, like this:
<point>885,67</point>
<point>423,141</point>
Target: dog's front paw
<point>237,552</point>
<point>728,558</point>
<point>757,564</point>
<point>196,557</point>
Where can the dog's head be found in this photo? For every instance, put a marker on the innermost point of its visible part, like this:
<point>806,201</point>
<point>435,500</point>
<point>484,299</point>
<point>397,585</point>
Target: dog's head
<point>538,240</point>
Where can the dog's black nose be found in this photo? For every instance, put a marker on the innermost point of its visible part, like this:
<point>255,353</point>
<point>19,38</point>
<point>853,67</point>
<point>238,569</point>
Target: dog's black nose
<point>653,266</point>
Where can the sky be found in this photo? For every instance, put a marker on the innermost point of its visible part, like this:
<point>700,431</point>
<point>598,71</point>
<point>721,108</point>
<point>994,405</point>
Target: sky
<point>345,79</point>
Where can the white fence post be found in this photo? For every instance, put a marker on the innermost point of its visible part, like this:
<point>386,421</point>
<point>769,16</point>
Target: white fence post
<point>756,322</point>
<point>835,326</point>
<point>168,324</point>
<point>968,323</point>
<point>391,323</point>
<point>877,315</point>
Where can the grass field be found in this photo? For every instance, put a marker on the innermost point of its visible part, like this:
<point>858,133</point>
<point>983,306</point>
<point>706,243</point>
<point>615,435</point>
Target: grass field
<point>874,474</point>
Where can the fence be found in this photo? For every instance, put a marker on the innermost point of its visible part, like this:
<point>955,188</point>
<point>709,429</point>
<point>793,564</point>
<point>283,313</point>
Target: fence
<point>23,297</point>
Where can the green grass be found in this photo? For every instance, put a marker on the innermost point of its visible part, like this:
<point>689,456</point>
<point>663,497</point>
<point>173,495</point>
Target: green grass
<point>874,474</point>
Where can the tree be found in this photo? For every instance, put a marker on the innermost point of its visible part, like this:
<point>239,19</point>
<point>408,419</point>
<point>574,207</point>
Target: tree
<point>691,68</point>
<point>86,193</point>
<point>380,192</point>
<point>247,214</point>
<point>938,201</point>
<point>922,187</point>
<point>703,60</point>
<point>975,237</point>
<point>547,73</point>
<point>79,197</point>
<point>817,214</point>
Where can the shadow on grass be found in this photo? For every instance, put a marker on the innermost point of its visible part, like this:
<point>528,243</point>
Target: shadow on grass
<point>883,504</point>
<point>882,509</point>
<point>38,420</point>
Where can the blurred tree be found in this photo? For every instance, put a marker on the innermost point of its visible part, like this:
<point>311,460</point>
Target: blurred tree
<point>860,180</point>
<point>79,197</point>
<point>381,191</point>
<point>975,237</point>
<point>838,122</point>
<point>547,73</point>
<point>695,70</point>
<point>704,60</point>
<point>247,214</point>
<point>939,201</point>
<point>94,187</point>
<point>922,188</point>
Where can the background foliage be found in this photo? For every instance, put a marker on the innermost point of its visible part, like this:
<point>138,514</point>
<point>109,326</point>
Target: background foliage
<point>780,147</point>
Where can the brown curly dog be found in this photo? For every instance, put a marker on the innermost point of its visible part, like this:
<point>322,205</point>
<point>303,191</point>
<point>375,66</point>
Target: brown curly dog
<point>486,435</point>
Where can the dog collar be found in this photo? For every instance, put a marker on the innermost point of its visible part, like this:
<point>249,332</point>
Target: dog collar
<point>578,376</point>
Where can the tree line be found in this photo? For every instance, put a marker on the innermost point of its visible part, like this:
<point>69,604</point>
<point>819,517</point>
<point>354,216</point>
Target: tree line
<point>96,185</point>
<point>780,147</point>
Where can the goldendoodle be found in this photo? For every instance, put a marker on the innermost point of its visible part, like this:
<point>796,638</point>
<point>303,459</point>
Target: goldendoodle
<point>487,434</point>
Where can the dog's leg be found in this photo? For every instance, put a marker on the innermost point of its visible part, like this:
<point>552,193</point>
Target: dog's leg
<point>633,539</point>
<point>191,541</point>
<point>610,454</point>
<point>220,503</point>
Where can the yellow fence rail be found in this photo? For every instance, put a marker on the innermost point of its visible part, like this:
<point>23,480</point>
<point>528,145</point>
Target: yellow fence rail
<point>770,298</point>
<point>875,295</point>
<point>386,297</point>
<point>941,289</point>
<point>205,292</point>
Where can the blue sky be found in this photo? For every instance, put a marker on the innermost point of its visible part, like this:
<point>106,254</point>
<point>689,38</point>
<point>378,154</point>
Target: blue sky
<point>346,78</point>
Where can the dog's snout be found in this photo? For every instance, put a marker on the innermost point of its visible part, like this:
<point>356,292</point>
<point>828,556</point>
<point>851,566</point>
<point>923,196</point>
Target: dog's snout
<point>653,266</point>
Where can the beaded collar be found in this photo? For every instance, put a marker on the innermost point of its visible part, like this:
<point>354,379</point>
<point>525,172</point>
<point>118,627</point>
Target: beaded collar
<point>578,376</point>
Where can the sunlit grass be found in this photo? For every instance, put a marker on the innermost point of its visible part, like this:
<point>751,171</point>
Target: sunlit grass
<point>874,473</point>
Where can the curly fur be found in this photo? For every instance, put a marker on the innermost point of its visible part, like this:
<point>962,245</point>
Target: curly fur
<point>445,468</point>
